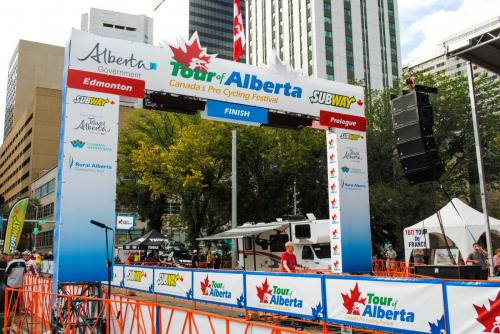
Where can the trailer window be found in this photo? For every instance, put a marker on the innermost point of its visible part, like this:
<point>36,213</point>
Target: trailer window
<point>307,253</point>
<point>277,242</point>
<point>322,251</point>
<point>303,231</point>
<point>247,243</point>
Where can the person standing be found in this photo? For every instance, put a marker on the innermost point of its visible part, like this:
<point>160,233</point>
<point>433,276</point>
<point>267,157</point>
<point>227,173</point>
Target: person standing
<point>195,260</point>
<point>478,258</point>
<point>496,262</point>
<point>391,256</point>
<point>30,263</point>
<point>15,270</point>
<point>288,259</point>
<point>217,261</point>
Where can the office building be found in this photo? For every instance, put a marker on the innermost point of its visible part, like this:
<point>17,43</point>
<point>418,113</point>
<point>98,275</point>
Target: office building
<point>32,117</point>
<point>135,28</point>
<point>44,190</point>
<point>341,40</point>
<point>439,62</point>
<point>213,20</point>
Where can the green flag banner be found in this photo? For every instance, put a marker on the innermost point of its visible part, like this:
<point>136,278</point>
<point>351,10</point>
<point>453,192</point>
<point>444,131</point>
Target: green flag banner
<point>15,225</point>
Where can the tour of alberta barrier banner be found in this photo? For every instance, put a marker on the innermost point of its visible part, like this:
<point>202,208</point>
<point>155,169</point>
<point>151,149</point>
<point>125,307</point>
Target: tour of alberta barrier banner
<point>472,307</point>
<point>390,304</point>
<point>174,282</point>
<point>219,287</point>
<point>288,294</point>
<point>398,305</point>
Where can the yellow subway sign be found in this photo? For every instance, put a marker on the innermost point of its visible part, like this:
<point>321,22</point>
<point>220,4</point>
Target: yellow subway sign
<point>15,225</point>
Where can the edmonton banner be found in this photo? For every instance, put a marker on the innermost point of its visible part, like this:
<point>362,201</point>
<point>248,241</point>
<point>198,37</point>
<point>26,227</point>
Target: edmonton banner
<point>15,225</point>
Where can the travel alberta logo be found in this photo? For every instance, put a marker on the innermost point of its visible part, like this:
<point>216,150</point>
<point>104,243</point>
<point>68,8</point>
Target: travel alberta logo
<point>373,307</point>
<point>214,289</point>
<point>93,101</point>
<point>92,125</point>
<point>278,296</point>
<point>191,61</point>
<point>87,166</point>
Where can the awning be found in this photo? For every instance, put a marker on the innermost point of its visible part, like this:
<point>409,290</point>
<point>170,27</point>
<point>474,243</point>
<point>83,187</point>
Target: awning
<point>245,231</point>
<point>482,49</point>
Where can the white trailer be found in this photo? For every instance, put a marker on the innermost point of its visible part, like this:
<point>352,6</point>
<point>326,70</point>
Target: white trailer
<point>260,245</point>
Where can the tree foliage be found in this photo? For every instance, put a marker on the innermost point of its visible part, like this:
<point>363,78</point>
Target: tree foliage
<point>166,156</point>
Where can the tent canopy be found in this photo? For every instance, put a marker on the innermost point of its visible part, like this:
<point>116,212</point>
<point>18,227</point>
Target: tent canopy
<point>245,231</point>
<point>152,240</point>
<point>462,227</point>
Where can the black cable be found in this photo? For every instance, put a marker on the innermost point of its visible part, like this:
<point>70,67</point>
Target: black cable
<point>463,220</point>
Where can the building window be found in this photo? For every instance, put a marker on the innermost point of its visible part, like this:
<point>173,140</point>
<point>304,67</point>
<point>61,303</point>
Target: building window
<point>46,211</point>
<point>328,34</point>
<point>45,189</point>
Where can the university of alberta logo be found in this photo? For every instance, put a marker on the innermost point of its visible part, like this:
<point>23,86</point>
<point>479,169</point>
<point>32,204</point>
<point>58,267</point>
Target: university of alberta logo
<point>489,318</point>
<point>192,55</point>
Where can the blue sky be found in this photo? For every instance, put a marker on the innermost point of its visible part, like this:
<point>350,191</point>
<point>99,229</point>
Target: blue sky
<point>423,23</point>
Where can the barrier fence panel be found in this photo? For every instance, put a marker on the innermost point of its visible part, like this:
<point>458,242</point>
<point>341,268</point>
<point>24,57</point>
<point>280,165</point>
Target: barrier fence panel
<point>395,305</point>
<point>288,294</point>
<point>174,282</point>
<point>472,307</point>
<point>138,278</point>
<point>219,287</point>
<point>118,276</point>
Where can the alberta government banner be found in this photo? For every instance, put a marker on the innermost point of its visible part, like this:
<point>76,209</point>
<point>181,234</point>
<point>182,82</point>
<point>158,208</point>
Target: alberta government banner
<point>15,225</point>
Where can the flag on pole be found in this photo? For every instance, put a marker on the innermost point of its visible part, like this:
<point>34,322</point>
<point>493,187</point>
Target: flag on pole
<point>15,225</point>
<point>238,31</point>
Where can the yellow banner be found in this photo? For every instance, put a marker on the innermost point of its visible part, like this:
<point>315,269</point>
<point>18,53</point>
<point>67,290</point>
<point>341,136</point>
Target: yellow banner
<point>15,225</point>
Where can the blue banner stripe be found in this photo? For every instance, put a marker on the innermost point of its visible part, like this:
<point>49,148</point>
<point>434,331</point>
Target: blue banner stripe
<point>239,112</point>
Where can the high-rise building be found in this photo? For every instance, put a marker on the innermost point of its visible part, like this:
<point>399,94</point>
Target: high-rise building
<point>341,40</point>
<point>32,117</point>
<point>213,20</point>
<point>135,28</point>
<point>439,62</point>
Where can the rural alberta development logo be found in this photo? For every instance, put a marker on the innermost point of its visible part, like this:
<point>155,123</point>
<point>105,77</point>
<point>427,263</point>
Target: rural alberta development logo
<point>489,317</point>
<point>93,101</point>
<point>375,307</point>
<point>191,62</point>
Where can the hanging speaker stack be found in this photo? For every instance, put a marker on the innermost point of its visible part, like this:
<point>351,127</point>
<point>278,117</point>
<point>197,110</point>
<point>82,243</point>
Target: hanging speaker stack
<point>412,119</point>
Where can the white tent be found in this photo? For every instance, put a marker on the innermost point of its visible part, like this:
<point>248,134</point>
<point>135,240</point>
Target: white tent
<point>461,228</point>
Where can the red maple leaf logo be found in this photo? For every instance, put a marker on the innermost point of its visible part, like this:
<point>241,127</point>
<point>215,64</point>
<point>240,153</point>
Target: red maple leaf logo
<point>335,249</point>
<point>360,103</point>
<point>334,201</point>
<point>181,278</point>
<point>205,285</point>
<point>335,232</point>
<point>263,291</point>
<point>336,263</point>
<point>144,274</point>
<point>332,156</point>
<point>333,186</point>
<point>334,216</point>
<point>490,319</point>
<point>192,55</point>
<point>331,141</point>
<point>332,171</point>
<point>353,302</point>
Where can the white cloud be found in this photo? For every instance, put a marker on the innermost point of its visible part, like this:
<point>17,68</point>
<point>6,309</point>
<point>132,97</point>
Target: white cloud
<point>438,25</point>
